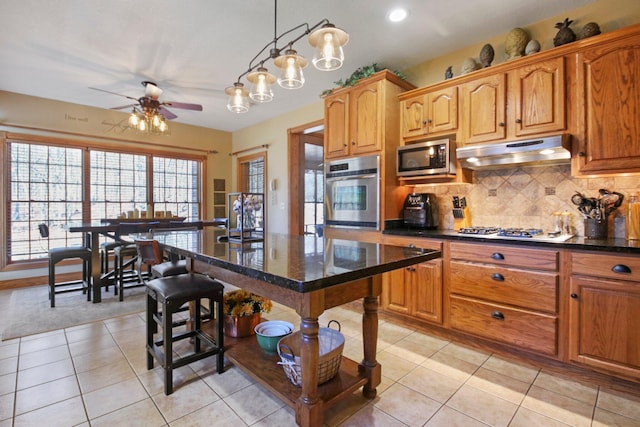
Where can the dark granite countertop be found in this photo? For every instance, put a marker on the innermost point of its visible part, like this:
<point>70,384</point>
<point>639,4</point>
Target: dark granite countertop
<point>299,263</point>
<point>575,243</point>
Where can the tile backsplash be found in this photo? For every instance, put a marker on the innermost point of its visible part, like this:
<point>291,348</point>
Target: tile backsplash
<point>528,196</point>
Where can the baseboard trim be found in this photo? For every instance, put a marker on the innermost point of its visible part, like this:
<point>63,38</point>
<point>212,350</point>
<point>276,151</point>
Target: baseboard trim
<point>36,281</point>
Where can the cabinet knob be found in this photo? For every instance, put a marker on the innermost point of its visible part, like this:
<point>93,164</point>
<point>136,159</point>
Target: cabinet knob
<point>424,122</point>
<point>581,154</point>
<point>497,256</point>
<point>518,121</point>
<point>621,268</point>
<point>497,315</point>
<point>345,144</point>
<point>574,296</point>
<point>353,143</point>
<point>411,269</point>
<point>501,124</point>
<point>497,277</point>
<point>430,121</point>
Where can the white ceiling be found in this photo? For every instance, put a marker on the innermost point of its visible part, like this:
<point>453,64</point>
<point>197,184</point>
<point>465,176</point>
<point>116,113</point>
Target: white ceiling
<point>193,49</point>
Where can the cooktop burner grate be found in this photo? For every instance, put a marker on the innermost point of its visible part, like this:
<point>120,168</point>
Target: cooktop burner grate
<point>519,232</point>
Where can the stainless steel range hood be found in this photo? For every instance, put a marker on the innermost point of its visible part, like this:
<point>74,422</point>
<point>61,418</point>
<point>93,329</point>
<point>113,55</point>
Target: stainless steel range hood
<point>531,152</point>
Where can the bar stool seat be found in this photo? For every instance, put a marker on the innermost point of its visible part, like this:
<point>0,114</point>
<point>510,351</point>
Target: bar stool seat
<point>169,268</point>
<point>165,297</point>
<point>59,254</point>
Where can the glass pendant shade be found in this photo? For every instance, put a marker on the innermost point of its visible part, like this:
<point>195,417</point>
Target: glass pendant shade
<point>291,65</point>
<point>261,81</point>
<point>328,42</point>
<point>142,125</point>
<point>238,101</point>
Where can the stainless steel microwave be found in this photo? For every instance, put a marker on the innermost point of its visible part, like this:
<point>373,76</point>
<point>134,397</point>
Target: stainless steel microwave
<point>427,158</point>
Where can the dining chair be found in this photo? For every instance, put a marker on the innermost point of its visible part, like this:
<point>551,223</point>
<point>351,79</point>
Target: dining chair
<point>59,254</point>
<point>170,294</point>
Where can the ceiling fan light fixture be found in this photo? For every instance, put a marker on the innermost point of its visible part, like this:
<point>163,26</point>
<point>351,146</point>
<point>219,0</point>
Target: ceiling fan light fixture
<point>328,41</point>
<point>291,65</point>
<point>261,81</point>
<point>238,101</point>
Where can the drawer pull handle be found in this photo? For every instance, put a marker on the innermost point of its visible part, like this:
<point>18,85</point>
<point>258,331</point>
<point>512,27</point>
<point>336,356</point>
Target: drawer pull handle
<point>497,277</point>
<point>497,255</point>
<point>497,315</point>
<point>620,268</point>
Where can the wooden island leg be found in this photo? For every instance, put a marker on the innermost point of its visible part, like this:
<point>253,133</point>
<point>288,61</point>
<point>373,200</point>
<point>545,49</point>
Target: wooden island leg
<point>309,407</point>
<point>371,368</point>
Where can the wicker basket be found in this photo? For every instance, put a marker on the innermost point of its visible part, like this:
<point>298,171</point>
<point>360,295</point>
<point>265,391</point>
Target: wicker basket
<point>331,343</point>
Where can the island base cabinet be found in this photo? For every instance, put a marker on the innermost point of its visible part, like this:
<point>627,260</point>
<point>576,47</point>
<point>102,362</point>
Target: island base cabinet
<point>520,328</point>
<point>605,325</point>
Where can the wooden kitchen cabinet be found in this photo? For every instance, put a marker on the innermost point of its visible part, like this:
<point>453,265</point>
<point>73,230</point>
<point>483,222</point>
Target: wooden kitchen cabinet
<point>484,109</point>
<point>505,293</point>
<point>363,119</point>
<point>428,113</point>
<point>414,291</point>
<point>526,101</point>
<point>604,307</point>
<point>608,138</point>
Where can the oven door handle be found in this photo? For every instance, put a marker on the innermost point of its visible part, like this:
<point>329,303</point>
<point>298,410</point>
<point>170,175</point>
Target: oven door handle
<point>347,178</point>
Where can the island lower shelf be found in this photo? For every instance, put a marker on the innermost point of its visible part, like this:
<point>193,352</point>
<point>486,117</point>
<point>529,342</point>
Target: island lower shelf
<point>247,355</point>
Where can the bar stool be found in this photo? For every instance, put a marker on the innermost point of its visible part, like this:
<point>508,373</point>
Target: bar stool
<point>60,254</point>
<point>125,257</point>
<point>171,293</point>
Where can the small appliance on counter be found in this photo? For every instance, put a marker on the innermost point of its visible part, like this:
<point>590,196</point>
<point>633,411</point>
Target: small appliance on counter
<point>461,213</point>
<point>421,210</point>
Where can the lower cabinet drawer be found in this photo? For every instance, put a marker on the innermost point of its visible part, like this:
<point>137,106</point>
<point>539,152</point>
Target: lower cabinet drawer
<point>520,328</point>
<point>531,290</point>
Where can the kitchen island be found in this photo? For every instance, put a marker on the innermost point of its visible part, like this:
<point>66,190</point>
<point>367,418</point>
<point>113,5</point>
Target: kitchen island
<point>310,275</point>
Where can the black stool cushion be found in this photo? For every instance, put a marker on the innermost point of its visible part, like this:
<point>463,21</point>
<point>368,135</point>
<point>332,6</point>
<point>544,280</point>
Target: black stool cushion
<point>185,287</point>
<point>169,268</point>
<point>58,254</point>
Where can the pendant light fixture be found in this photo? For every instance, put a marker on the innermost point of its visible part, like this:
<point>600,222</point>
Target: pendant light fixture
<point>324,37</point>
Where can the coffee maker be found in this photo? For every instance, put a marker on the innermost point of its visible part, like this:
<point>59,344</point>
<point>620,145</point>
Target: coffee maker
<point>421,211</point>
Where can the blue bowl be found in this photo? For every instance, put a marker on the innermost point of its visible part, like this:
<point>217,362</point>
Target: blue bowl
<point>269,333</point>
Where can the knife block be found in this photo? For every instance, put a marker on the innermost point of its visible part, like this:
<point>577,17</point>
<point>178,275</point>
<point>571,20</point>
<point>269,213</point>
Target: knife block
<point>461,218</point>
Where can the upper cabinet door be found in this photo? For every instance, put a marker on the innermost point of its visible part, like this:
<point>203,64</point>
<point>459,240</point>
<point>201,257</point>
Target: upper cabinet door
<point>443,110</point>
<point>366,115</point>
<point>610,93</point>
<point>429,113</point>
<point>484,109</point>
<point>414,117</point>
<point>539,97</point>
<point>336,133</point>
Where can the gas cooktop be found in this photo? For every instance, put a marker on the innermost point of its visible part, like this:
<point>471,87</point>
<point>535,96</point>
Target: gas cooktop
<point>535,234</point>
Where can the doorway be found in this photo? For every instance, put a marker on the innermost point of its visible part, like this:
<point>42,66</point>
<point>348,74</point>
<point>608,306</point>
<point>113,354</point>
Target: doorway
<point>306,178</point>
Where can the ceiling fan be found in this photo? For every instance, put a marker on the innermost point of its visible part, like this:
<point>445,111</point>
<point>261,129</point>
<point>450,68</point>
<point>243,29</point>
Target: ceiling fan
<point>149,104</point>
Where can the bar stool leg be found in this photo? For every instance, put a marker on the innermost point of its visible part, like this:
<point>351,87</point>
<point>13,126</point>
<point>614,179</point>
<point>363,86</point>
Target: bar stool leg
<point>152,312</point>
<point>52,284</point>
<point>167,326</point>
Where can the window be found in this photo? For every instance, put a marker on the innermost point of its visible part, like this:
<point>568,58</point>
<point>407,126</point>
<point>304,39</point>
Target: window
<point>252,174</point>
<point>176,186</point>
<point>118,184</point>
<point>47,185</point>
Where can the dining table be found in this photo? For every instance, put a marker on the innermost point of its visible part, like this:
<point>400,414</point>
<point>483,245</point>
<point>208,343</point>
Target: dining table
<point>309,274</point>
<point>119,230</point>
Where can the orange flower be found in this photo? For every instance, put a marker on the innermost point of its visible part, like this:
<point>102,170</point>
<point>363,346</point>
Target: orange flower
<point>243,303</point>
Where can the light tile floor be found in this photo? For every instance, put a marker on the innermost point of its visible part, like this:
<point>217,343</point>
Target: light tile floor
<point>96,375</point>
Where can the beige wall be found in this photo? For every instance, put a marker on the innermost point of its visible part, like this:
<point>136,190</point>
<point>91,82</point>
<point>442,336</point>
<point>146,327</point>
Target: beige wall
<point>274,133</point>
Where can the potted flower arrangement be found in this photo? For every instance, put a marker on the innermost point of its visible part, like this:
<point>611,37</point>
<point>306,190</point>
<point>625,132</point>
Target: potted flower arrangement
<point>242,312</point>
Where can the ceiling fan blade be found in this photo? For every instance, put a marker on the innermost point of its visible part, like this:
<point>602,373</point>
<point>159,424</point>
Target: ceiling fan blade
<point>183,105</point>
<point>166,113</point>
<point>113,93</point>
<point>122,107</point>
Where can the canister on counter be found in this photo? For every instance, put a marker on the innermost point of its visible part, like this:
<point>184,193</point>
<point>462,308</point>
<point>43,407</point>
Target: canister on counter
<point>633,218</point>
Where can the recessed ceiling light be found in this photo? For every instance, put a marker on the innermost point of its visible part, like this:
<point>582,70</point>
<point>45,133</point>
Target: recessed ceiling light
<point>397,15</point>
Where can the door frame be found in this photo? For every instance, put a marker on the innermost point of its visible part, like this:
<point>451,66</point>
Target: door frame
<point>296,176</point>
